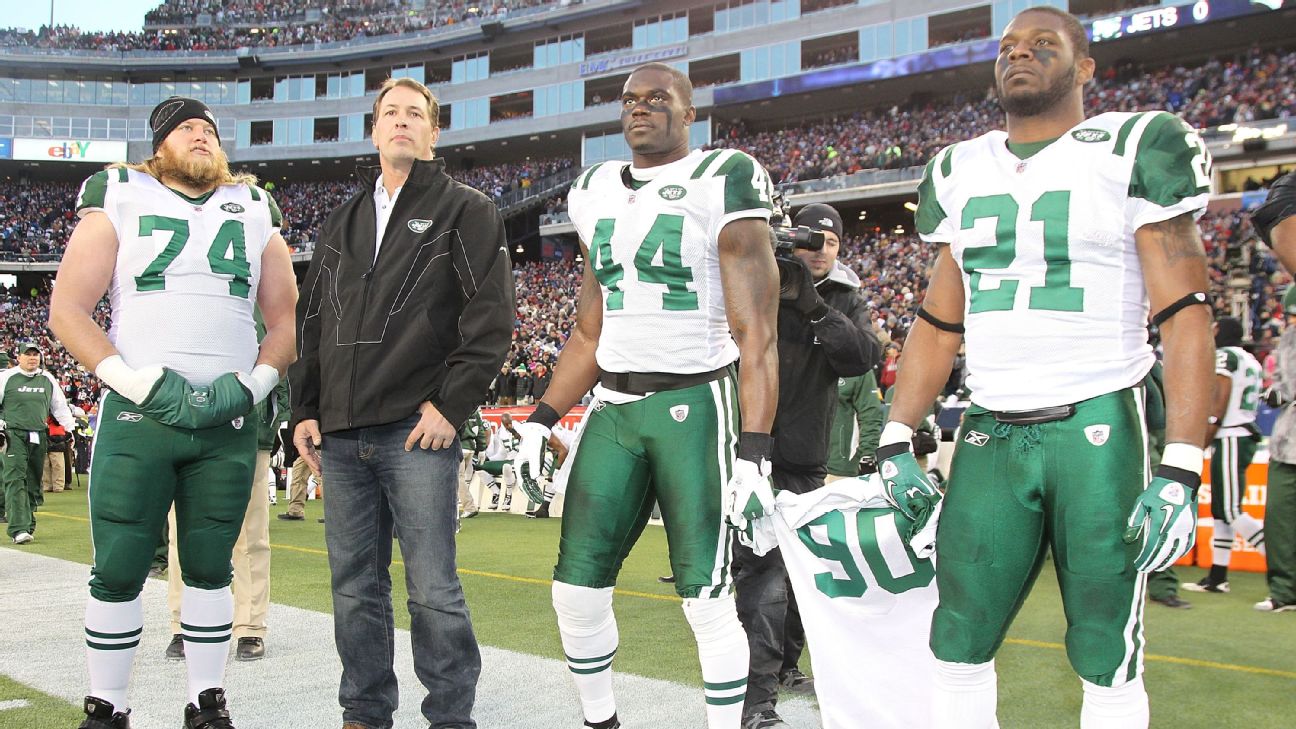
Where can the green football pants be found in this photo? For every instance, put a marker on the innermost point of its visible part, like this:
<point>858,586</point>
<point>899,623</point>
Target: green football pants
<point>140,467</point>
<point>1016,491</point>
<point>24,462</point>
<point>1229,461</point>
<point>674,447</point>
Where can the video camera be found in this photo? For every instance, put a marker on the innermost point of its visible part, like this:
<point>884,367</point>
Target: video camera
<point>786,239</point>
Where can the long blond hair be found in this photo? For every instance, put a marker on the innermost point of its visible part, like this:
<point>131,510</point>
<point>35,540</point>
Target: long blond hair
<point>150,167</point>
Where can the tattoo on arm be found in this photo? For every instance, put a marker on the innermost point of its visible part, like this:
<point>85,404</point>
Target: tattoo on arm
<point>1178,238</point>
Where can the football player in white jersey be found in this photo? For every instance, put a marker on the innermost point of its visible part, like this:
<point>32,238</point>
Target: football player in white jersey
<point>1056,239</point>
<point>679,281</point>
<point>184,249</point>
<point>1233,438</point>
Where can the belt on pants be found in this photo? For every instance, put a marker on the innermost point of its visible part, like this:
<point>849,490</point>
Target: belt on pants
<point>642,383</point>
<point>1034,417</point>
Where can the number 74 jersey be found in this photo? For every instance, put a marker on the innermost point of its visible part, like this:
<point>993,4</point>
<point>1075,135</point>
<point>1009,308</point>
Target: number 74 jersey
<point>654,251</point>
<point>185,280</point>
<point>866,601</point>
<point>1055,306</point>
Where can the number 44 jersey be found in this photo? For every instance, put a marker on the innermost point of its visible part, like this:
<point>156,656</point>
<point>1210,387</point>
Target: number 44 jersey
<point>1056,309</point>
<point>866,601</point>
<point>654,251</point>
<point>187,270</point>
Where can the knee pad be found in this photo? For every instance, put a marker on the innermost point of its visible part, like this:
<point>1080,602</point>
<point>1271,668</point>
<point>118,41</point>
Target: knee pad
<point>965,675</point>
<point>1114,707</point>
<point>714,619</point>
<point>581,610</point>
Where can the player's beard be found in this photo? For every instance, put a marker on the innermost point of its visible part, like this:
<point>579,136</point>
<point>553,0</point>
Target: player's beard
<point>1037,102</point>
<point>191,170</point>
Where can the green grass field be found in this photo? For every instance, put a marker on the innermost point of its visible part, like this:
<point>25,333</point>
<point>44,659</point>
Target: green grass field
<point>1219,664</point>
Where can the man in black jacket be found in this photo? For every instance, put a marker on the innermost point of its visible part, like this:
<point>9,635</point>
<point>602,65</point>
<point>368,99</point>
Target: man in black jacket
<point>405,315</point>
<point>824,332</point>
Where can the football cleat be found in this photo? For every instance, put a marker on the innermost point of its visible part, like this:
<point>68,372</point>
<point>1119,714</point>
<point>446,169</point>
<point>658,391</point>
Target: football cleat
<point>768,719</point>
<point>609,723</point>
<point>1270,605</point>
<point>1172,601</point>
<point>210,712</point>
<point>100,715</point>
<point>1205,585</point>
<point>175,649</point>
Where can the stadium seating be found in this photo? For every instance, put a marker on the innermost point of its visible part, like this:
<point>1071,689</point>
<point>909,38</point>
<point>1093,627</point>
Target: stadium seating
<point>174,25</point>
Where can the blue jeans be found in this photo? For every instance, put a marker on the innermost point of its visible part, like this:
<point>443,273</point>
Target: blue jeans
<point>376,488</point>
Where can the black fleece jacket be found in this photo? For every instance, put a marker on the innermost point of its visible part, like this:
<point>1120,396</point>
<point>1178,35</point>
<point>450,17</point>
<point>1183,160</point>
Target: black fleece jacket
<point>812,355</point>
<point>430,320</point>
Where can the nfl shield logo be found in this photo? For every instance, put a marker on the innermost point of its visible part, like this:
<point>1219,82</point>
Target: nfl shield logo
<point>237,423</point>
<point>1097,434</point>
<point>679,412</point>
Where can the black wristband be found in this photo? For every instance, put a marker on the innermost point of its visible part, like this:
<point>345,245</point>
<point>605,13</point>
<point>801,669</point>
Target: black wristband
<point>893,450</point>
<point>545,415</point>
<point>755,447</point>
<point>1179,475</point>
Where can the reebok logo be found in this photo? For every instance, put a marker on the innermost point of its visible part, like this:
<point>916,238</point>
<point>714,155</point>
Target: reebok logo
<point>976,438</point>
<point>129,417</point>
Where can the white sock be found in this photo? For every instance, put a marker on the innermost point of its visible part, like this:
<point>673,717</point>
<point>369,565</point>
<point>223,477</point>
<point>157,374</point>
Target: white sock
<point>589,637</point>
<point>1118,707</point>
<point>966,696</point>
<point>1252,531</point>
<point>1222,544</point>
<point>206,622</point>
<point>112,632</point>
<point>723,653</point>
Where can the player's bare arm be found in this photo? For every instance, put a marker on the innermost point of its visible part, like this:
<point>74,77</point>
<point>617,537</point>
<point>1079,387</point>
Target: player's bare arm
<point>1219,405</point>
<point>750,280</point>
<point>1174,266</point>
<point>277,299</point>
<point>82,280</point>
<point>576,370</point>
<point>929,351</point>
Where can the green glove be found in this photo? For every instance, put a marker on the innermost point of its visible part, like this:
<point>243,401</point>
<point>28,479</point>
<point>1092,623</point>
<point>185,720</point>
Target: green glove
<point>906,487</point>
<point>173,401</point>
<point>1164,519</point>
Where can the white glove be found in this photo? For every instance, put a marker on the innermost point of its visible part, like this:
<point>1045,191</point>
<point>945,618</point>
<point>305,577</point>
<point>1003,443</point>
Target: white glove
<point>261,382</point>
<point>132,384</point>
<point>530,449</point>
<point>749,494</point>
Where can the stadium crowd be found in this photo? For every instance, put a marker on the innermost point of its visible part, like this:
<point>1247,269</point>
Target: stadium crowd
<point>174,26</point>
<point>1218,91</point>
<point>36,217</point>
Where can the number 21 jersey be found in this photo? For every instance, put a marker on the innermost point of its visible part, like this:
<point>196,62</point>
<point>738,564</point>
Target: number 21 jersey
<point>654,251</point>
<point>1055,305</point>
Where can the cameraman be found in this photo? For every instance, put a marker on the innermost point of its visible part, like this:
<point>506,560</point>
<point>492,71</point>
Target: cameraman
<point>824,332</point>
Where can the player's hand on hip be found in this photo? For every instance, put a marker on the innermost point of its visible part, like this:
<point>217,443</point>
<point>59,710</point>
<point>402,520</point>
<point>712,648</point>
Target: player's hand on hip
<point>433,430</point>
<point>307,440</point>
<point>906,486</point>
<point>533,437</point>
<point>749,495</point>
<point>133,384</point>
<point>1165,518</point>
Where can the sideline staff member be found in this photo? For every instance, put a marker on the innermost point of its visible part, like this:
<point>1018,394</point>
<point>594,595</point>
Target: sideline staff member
<point>406,314</point>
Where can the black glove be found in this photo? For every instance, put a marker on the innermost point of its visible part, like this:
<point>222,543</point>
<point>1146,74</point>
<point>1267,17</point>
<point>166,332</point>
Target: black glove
<point>1273,398</point>
<point>1277,207</point>
<point>805,297</point>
